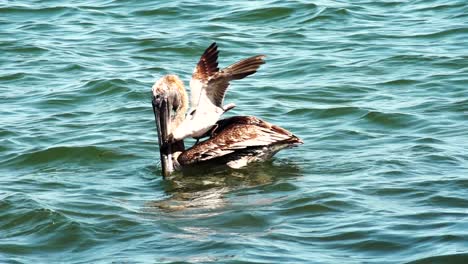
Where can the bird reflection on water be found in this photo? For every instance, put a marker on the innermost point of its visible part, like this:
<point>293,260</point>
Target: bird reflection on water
<point>207,192</point>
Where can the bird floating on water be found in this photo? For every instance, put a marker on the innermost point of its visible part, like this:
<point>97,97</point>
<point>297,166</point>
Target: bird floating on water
<point>233,142</point>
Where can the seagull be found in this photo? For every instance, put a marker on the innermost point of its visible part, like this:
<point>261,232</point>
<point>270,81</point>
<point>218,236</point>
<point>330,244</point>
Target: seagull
<point>207,89</point>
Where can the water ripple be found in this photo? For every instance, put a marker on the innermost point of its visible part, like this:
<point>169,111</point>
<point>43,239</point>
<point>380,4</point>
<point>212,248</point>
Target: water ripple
<point>63,154</point>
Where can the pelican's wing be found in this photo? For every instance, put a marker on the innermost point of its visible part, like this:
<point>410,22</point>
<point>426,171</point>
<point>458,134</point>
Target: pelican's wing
<point>219,82</point>
<point>207,66</point>
<point>237,133</point>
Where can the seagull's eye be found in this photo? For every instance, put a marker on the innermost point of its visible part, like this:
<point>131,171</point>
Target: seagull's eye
<point>192,113</point>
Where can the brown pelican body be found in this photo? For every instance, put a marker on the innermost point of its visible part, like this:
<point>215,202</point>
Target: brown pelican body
<point>233,142</point>
<point>237,141</point>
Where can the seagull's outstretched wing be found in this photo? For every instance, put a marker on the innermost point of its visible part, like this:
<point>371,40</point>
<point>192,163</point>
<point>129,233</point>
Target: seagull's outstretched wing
<point>206,67</point>
<point>209,84</point>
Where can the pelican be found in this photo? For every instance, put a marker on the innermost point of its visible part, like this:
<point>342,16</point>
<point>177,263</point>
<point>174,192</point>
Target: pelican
<point>233,142</point>
<point>208,87</point>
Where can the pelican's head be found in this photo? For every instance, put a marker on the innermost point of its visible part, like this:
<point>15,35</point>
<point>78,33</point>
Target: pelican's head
<point>170,103</point>
<point>171,88</point>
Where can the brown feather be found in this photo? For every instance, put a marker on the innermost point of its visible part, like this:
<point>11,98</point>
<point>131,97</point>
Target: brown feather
<point>236,134</point>
<point>208,64</point>
<point>218,84</point>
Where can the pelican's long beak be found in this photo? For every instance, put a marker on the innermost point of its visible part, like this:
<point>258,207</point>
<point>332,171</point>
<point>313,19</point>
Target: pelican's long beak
<point>161,111</point>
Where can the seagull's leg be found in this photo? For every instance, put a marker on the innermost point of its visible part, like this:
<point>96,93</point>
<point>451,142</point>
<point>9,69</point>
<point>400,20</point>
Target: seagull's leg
<point>213,130</point>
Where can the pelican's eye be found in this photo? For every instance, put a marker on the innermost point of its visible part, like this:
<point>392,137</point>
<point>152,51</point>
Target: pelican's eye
<point>156,100</point>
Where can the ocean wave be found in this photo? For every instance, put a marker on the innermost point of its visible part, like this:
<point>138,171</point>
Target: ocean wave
<point>105,87</point>
<point>56,10</point>
<point>67,154</point>
<point>442,259</point>
<point>23,216</point>
<point>393,120</point>
<point>327,14</point>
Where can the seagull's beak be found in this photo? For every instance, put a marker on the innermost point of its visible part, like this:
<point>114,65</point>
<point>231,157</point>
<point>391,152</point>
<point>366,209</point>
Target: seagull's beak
<point>161,115</point>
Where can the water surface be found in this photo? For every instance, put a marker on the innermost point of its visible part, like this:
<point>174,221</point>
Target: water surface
<point>376,89</point>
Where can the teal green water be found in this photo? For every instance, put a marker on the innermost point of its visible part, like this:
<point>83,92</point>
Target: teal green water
<point>378,91</point>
